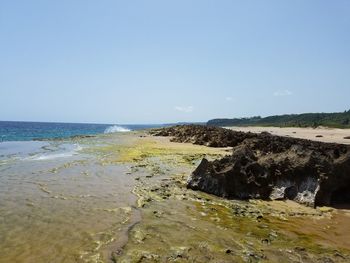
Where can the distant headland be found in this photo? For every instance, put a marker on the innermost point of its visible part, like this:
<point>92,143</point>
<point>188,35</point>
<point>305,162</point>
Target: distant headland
<point>334,120</point>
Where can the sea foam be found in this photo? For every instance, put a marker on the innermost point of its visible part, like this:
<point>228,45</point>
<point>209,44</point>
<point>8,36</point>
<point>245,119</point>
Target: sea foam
<point>64,151</point>
<point>116,128</point>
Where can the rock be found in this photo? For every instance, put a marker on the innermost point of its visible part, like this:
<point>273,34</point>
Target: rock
<point>347,137</point>
<point>266,241</point>
<point>203,135</point>
<point>300,249</point>
<point>319,136</point>
<point>259,218</point>
<point>266,166</point>
<point>338,254</point>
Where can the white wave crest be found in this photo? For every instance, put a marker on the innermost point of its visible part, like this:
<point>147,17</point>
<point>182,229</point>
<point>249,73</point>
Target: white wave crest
<point>116,128</point>
<point>64,152</point>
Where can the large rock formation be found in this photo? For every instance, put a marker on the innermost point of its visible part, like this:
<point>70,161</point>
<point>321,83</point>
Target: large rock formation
<point>269,167</point>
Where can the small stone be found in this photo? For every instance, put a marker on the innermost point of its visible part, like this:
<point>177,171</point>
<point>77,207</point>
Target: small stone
<point>265,241</point>
<point>300,249</point>
<point>259,218</point>
<point>273,235</point>
<point>338,254</point>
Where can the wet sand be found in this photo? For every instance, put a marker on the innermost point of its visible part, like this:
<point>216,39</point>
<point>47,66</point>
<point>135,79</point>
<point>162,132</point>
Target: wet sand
<point>318,134</point>
<point>62,206</point>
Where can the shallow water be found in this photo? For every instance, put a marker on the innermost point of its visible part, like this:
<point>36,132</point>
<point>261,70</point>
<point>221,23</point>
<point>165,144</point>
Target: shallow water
<point>58,203</point>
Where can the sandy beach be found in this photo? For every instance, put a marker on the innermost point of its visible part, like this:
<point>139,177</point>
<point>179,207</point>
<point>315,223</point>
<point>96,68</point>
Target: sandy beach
<point>321,134</point>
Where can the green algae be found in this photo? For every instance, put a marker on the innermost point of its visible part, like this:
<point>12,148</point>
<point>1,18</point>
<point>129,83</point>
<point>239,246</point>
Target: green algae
<point>141,149</point>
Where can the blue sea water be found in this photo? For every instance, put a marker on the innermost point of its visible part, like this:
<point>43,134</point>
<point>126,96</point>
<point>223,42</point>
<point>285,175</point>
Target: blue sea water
<point>28,131</point>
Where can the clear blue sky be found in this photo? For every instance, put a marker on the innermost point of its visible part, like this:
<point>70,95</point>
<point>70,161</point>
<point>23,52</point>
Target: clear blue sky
<point>165,61</point>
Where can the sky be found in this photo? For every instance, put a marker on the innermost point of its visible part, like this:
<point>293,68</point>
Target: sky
<point>157,61</point>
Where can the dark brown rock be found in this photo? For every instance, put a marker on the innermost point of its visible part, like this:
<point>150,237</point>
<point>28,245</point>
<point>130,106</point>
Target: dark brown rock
<point>265,166</point>
<point>203,135</point>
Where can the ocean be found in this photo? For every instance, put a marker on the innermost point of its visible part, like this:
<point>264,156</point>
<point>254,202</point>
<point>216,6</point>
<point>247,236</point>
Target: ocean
<point>60,201</point>
<point>46,140</point>
<point>28,131</point>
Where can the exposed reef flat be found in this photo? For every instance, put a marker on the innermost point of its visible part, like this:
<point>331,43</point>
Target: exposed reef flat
<point>182,225</point>
<point>123,197</point>
<point>269,167</point>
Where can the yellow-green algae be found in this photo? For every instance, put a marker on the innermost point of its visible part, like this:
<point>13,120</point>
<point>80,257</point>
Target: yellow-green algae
<point>145,147</point>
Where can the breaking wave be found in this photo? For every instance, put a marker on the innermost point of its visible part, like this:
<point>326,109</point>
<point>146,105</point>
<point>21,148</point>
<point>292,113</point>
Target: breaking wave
<point>116,128</point>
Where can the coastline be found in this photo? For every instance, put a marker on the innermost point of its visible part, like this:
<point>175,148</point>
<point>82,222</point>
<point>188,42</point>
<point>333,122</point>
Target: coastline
<point>321,134</point>
<point>135,184</point>
<point>179,224</point>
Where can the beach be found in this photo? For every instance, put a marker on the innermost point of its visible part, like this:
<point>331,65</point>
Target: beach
<point>139,132</point>
<point>321,134</point>
<point>122,197</point>
<point>76,199</point>
<point>181,225</point>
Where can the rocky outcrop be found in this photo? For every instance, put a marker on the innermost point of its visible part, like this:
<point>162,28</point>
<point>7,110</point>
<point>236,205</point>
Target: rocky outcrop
<point>203,135</point>
<point>269,167</point>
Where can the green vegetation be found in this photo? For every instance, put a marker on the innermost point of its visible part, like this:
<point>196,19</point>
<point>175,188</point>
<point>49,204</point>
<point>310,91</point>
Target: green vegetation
<point>335,120</point>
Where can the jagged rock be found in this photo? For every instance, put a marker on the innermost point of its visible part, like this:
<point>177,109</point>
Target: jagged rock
<point>203,135</point>
<point>265,166</point>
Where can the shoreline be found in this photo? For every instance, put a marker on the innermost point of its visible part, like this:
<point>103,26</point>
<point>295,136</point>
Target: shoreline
<point>182,224</point>
<point>322,134</point>
<point>161,220</point>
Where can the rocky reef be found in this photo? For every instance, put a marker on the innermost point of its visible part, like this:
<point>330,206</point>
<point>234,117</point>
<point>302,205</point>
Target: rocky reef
<point>269,167</point>
<point>203,135</point>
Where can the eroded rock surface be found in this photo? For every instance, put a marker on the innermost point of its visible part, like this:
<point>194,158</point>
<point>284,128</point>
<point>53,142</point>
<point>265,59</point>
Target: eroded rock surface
<point>203,135</point>
<point>265,166</point>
